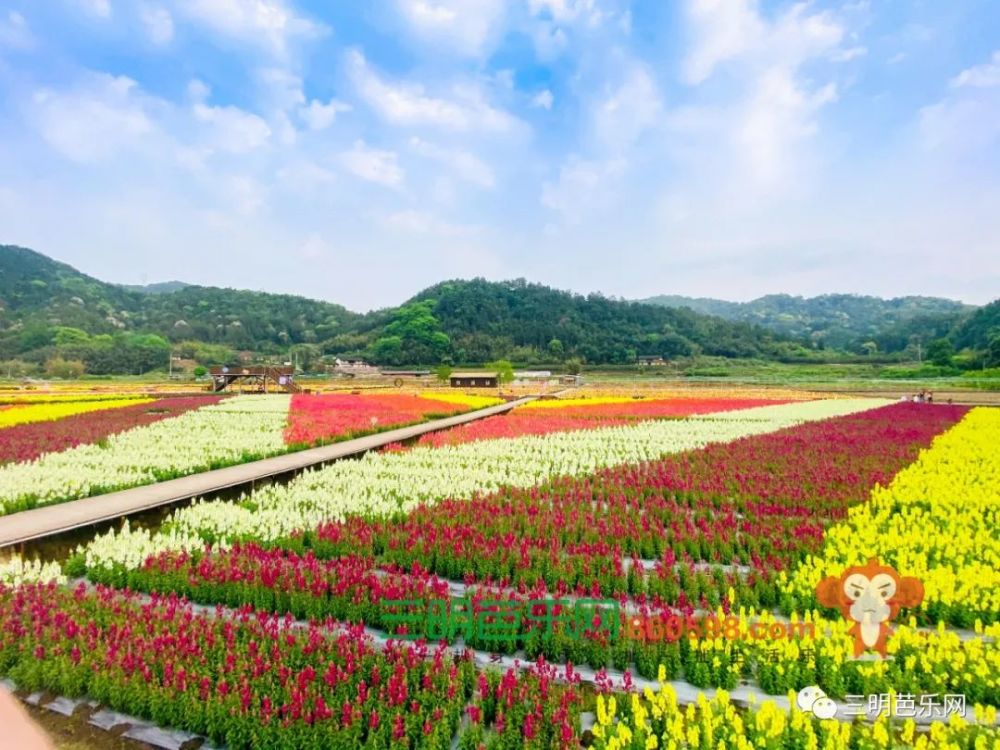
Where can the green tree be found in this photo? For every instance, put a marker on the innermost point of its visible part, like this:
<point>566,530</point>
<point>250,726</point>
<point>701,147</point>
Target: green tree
<point>503,369</point>
<point>57,367</point>
<point>443,373</point>
<point>574,366</point>
<point>556,349</point>
<point>940,352</point>
<point>992,354</point>
<point>414,336</point>
<point>66,336</point>
<point>870,347</point>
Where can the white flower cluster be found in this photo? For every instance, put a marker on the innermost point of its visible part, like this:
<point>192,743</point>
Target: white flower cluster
<point>231,431</point>
<point>16,571</point>
<point>383,483</point>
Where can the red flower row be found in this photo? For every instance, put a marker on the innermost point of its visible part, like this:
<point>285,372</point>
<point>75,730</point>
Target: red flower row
<point>255,680</point>
<point>319,418</point>
<point>543,421</point>
<point>26,442</point>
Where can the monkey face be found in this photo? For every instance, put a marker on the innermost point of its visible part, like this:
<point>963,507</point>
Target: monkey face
<point>869,597</point>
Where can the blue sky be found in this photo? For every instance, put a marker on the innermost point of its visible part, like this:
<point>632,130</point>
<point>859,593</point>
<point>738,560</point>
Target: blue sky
<point>360,151</point>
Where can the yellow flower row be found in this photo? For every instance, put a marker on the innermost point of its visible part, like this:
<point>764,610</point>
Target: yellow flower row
<point>938,520</point>
<point>934,661</point>
<point>468,400</point>
<point>49,412</point>
<point>655,720</point>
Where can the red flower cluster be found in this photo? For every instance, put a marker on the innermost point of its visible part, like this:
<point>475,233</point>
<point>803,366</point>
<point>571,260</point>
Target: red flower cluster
<point>337,416</point>
<point>347,588</point>
<point>26,442</point>
<point>250,680</point>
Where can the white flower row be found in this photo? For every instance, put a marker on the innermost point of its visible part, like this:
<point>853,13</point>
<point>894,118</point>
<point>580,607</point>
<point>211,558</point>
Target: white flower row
<point>16,571</point>
<point>384,483</point>
<point>231,431</point>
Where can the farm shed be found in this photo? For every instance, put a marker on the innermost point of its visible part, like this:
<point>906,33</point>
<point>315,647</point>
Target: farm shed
<point>474,380</point>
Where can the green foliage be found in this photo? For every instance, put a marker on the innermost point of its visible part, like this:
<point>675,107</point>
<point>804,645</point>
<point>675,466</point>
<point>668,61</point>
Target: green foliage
<point>57,367</point>
<point>200,371</point>
<point>574,366</point>
<point>838,321</point>
<point>443,373</point>
<point>503,369</point>
<point>940,352</point>
<point>414,336</point>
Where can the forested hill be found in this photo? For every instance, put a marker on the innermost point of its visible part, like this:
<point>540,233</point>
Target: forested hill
<point>50,311</point>
<point>838,321</point>
<point>479,320</point>
<point>48,308</point>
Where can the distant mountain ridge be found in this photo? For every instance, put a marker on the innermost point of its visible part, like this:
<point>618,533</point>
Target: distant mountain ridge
<point>50,310</point>
<point>841,321</point>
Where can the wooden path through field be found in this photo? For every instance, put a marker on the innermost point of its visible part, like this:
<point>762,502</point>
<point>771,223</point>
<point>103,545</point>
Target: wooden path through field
<point>62,517</point>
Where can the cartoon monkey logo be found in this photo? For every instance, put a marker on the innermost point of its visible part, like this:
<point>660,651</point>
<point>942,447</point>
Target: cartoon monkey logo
<point>870,595</point>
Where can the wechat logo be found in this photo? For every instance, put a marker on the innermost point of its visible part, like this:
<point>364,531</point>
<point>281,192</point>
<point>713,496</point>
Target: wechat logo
<point>813,700</point>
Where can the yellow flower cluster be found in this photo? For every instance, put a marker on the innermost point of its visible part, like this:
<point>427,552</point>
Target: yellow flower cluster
<point>929,661</point>
<point>48,412</point>
<point>938,520</point>
<point>468,400</point>
<point>654,720</point>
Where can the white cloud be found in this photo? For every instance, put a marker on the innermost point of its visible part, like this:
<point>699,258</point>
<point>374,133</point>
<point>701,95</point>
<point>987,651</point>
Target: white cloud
<point>14,32</point>
<point>268,23</point>
<point>158,22</point>
<point>232,129</point>
<point>775,111</point>
<point>968,118</point>
<point>409,104</point>
<point>468,166</point>
<point>469,27</point>
<point>980,76</point>
<point>96,8</point>
<point>851,53</point>
<point>373,165</point>
<point>778,114</point>
<point>420,222</point>
<point>542,99</point>
<point>314,248</point>
<point>90,123</point>
<point>582,187</point>
<point>281,89</point>
<point>628,108</point>
<point>728,30</point>
<point>320,116</point>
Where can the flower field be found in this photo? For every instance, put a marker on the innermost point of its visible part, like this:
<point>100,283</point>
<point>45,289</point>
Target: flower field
<point>390,483</point>
<point>716,510</point>
<point>30,413</point>
<point>28,441</point>
<point>316,419</point>
<point>938,519</point>
<point>51,453</point>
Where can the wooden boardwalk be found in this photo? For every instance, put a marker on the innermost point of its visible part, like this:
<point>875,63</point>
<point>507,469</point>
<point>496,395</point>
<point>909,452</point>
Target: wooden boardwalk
<point>62,517</point>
